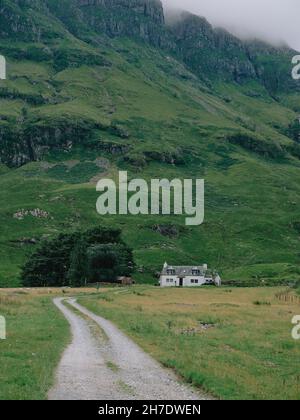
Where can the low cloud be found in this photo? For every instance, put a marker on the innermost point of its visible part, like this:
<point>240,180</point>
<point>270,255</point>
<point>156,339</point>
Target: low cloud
<point>276,21</point>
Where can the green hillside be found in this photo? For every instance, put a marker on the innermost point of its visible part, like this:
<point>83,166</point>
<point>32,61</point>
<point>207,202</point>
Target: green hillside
<point>93,89</point>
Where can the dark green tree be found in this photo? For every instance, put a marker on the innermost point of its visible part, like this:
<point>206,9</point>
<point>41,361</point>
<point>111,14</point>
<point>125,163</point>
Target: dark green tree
<point>63,260</point>
<point>49,265</point>
<point>102,235</point>
<point>108,261</point>
<point>77,274</point>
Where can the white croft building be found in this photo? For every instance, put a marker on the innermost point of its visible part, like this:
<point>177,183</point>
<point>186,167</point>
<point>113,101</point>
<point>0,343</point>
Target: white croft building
<point>187,276</point>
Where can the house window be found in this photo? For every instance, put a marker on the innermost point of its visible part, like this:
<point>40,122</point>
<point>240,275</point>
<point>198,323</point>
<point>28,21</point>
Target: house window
<point>195,272</point>
<point>169,280</point>
<point>171,272</point>
<point>197,281</point>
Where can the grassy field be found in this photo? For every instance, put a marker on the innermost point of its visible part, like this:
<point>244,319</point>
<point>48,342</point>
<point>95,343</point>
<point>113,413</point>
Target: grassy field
<point>235,343</point>
<point>36,336</point>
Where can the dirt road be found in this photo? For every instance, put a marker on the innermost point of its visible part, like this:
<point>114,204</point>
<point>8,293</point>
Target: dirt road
<point>110,366</point>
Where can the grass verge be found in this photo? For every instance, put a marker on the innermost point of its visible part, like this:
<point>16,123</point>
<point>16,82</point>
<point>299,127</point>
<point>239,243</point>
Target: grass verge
<point>217,339</point>
<point>36,335</point>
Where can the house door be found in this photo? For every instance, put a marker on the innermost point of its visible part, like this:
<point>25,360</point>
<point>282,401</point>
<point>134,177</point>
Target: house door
<point>181,282</point>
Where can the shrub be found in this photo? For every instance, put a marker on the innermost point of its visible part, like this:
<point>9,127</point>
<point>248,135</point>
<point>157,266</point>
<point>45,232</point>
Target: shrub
<point>261,303</point>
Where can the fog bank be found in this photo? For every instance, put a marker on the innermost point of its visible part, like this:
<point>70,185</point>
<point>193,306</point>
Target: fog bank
<point>276,21</point>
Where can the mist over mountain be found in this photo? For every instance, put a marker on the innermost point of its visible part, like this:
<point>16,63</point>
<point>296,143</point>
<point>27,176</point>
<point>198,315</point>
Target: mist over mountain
<point>275,21</point>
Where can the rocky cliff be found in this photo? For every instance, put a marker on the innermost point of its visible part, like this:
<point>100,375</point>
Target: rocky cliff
<point>73,33</point>
<point>217,54</point>
<point>151,9</point>
<point>133,18</point>
<point>208,52</point>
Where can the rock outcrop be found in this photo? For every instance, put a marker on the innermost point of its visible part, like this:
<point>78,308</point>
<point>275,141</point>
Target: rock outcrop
<point>216,54</point>
<point>134,18</point>
<point>23,141</point>
<point>209,52</point>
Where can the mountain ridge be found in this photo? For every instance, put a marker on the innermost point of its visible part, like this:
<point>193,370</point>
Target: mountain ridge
<point>145,19</point>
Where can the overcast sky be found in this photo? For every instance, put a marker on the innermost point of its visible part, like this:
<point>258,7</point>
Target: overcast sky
<point>273,20</point>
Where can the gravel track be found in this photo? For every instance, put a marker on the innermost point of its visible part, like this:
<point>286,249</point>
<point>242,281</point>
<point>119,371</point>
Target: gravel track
<point>95,368</point>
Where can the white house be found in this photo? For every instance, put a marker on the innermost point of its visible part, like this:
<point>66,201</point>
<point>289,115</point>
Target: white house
<point>187,276</point>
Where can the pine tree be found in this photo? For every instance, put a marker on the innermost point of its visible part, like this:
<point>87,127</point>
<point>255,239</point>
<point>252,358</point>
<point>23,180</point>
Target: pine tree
<point>77,274</point>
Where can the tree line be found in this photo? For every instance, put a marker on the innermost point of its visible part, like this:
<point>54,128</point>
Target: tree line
<point>75,259</point>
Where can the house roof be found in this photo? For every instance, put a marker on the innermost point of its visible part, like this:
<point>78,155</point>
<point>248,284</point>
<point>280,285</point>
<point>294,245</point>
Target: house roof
<point>182,271</point>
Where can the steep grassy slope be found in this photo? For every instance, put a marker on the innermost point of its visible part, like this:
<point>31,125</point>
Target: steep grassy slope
<point>82,102</point>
